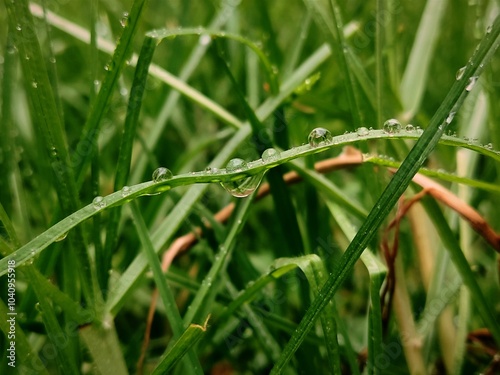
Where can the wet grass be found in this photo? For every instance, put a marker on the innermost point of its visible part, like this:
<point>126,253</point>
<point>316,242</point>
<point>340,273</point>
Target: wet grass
<point>322,255</point>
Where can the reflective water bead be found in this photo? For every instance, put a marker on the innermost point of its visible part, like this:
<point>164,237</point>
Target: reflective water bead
<point>270,155</point>
<point>99,202</point>
<point>205,39</point>
<point>211,170</point>
<point>362,131</point>
<point>244,186</point>
<point>236,165</point>
<point>460,73</point>
<point>472,82</point>
<point>410,128</point>
<point>319,136</point>
<point>489,146</point>
<point>162,174</point>
<point>61,237</point>
<point>450,117</point>
<point>124,20</point>
<point>392,126</point>
<point>126,190</point>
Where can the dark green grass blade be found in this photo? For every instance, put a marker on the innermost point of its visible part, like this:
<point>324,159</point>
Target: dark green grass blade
<point>122,52</point>
<point>103,259</point>
<point>414,160</point>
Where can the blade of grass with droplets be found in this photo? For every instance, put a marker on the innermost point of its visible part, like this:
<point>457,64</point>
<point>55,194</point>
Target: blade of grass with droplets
<point>398,184</point>
<point>122,52</point>
<point>103,259</point>
<point>171,222</point>
<point>417,68</point>
<point>173,315</point>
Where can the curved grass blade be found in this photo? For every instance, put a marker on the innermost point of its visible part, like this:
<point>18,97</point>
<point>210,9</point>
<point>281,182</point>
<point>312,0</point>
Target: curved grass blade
<point>413,162</point>
<point>188,339</point>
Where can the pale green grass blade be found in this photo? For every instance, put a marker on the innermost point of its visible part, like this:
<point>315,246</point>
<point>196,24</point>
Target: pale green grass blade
<point>104,346</point>
<point>396,187</point>
<point>416,73</point>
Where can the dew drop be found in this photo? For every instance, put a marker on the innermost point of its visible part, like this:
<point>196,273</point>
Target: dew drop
<point>126,190</point>
<point>99,203</point>
<point>18,27</point>
<point>472,82</point>
<point>243,187</point>
<point>236,165</point>
<point>270,155</point>
<point>97,85</point>
<point>319,136</point>
<point>124,20</point>
<point>410,128</point>
<point>362,131</point>
<point>460,73</point>
<point>52,60</point>
<point>205,40</point>
<point>392,126</point>
<point>162,174</point>
<point>61,237</point>
<point>211,170</point>
<point>489,146</point>
<point>34,84</point>
<point>488,29</point>
<point>450,117</point>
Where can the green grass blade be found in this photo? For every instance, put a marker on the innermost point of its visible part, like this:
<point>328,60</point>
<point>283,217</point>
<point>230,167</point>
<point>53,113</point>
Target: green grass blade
<point>166,294</point>
<point>187,341</point>
<point>122,53</point>
<point>414,160</point>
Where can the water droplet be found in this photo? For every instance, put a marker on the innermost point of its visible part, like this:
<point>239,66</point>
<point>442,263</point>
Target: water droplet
<point>410,128</point>
<point>489,146</point>
<point>124,20</point>
<point>34,84</point>
<point>236,165</point>
<point>472,82</point>
<point>243,187</point>
<point>211,170</point>
<point>488,29</point>
<point>319,136</point>
<point>18,27</point>
<point>61,237</point>
<point>162,174</point>
<point>126,190</point>
<point>392,126</point>
<point>52,60</point>
<point>99,202</point>
<point>362,131</point>
<point>38,307</point>
<point>205,40</point>
<point>460,73</point>
<point>270,155</point>
<point>450,117</point>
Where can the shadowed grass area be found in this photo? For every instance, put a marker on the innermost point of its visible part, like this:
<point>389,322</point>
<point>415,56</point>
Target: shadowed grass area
<point>318,253</point>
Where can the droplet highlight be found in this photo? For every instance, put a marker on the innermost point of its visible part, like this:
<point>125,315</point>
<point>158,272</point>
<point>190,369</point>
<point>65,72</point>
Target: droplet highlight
<point>236,165</point>
<point>410,128</point>
<point>270,155</point>
<point>470,85</point>
<point>162,174</point>
<point>126,190</point>
<point>450,117</point>
<point>392,126</point>
<point>460,73</point>
<point>243,187</point>
<point>319,136</point>
<point>362,131</point>
<point>99,203</point>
